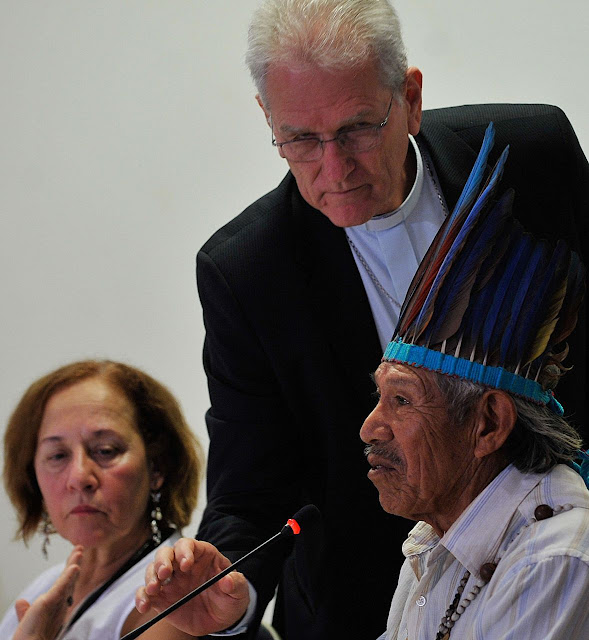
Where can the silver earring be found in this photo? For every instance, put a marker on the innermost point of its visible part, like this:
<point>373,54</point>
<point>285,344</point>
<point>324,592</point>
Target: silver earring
<point>47,529</point>
<point>156,516</point>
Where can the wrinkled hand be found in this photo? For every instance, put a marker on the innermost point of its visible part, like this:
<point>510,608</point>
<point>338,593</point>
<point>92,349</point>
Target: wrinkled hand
<point>180,569</point>
<point>43,619</point>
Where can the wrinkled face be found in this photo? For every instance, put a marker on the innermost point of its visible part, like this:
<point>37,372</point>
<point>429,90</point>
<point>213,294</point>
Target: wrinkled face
<point>91,466</point>
<point>349,188</point>
<point>420,462</point>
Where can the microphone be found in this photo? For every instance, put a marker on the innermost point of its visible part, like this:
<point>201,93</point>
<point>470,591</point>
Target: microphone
<point>292,527</point>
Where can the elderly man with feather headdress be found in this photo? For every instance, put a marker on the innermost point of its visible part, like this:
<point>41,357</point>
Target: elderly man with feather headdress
<point>468,438</point>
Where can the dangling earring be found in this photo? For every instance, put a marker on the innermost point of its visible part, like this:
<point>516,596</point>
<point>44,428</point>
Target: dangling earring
<point>47,529</point>
<point>156,516</point>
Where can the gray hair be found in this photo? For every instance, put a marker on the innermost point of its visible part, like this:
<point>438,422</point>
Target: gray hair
<point>540,438</point>
<point>329,34</point>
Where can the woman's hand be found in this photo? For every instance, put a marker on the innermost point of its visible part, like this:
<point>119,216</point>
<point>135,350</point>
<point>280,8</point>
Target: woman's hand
<point>43,619</point>
<point>180,569</point>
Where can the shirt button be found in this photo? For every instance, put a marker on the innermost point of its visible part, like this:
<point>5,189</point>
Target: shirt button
<point>420,602</point>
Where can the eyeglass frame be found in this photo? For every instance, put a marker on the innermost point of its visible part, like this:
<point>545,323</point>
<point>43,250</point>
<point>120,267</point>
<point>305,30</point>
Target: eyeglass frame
<point>376,127</point>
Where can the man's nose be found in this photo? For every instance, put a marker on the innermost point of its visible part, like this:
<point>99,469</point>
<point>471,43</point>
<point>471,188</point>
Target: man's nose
<point>336,163</point>
<point>375,429</point>
<point>82,473</point>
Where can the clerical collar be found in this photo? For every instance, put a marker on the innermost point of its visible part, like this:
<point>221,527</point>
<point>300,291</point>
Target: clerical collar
<point>392,219</point>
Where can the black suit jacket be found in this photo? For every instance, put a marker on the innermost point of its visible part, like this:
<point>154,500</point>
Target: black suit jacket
<point>290,343</point>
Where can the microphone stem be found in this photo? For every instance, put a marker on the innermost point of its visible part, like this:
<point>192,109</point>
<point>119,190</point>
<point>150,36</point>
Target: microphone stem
<point>192,594</point>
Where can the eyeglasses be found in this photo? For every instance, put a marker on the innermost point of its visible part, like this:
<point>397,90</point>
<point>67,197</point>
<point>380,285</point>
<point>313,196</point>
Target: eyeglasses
<point>352,140</point>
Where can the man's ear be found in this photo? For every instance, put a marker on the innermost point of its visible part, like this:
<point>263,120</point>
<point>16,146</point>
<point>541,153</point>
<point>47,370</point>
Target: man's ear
<point>266,111</point>
<point>495,421</point>
<point>413,84</point>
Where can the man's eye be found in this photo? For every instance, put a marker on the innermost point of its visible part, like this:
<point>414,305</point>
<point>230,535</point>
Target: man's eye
<point>303,138</point>
<point>401,400</point>
<point>357,127</point>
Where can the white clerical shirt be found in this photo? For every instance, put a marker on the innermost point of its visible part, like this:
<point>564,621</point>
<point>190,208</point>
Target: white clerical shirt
<point>391,246</point>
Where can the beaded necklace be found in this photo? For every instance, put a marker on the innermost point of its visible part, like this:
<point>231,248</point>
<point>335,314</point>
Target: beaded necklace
<point>456,609</point>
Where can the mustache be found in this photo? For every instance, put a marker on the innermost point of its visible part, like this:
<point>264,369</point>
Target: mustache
<point>382,451</point>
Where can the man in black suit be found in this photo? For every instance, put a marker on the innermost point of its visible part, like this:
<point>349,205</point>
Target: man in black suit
<point>299,293</point>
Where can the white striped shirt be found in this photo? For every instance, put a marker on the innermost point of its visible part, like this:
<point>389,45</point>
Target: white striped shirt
<point>540,589</point>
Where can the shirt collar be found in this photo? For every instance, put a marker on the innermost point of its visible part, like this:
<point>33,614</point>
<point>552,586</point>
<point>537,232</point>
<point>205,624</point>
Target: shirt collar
<point>490,512</point>
<point>392,219</point>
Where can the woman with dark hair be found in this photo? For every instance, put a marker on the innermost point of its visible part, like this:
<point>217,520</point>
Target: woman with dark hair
<point>100,453</point>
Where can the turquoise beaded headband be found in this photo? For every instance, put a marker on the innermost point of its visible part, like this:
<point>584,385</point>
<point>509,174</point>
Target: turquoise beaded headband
<point>494,377</point>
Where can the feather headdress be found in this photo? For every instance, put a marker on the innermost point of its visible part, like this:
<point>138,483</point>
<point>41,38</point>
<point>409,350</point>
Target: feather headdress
<point>489,302</point>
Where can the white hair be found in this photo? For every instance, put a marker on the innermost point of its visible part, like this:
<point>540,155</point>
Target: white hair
<point>329,34</point>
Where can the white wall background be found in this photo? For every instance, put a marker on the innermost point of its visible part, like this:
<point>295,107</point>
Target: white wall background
<point>129,133</point>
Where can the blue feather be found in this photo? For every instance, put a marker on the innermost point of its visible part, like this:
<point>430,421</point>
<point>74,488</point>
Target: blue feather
<point>478,207</point>
<point>474,318</point>
<point>454,294</point>
<point>450,226</point>
<point>484,290</point>
<point>539,301</point>
<point>526,280</point>
<point>516,256</point>
<point>475,178</point>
